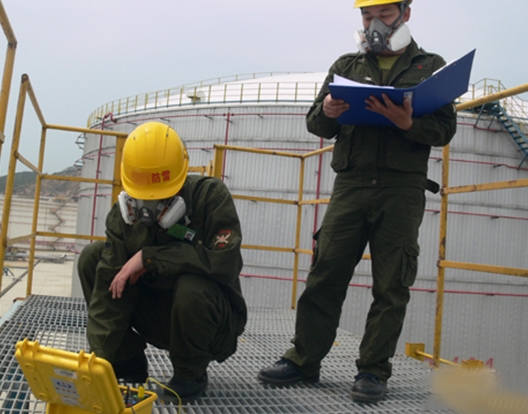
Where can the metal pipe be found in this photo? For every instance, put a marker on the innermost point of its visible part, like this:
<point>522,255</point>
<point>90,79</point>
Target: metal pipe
<point>259,151</point>
<point>298,234</point>
<point>87,130</point>
<point>493,97</point>
<point>503,270</point>
<point>441,256</point>
<point>226,140</point>
<point>34,222</point>
<point>218,161</point>
<point>18,279</point>
<point>266,199</point>
<point>98,170</point>
<point>486,187</point>
<point>318,189</point>
<point>118,156</point>
<point>8,71</point>
<point>10,181</point>
<point>77,179</point>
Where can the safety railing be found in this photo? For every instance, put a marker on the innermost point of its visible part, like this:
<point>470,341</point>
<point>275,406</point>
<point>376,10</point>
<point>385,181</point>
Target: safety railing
<point>217,171</point>
<point>218,91</point>
<point>516,107</point>
<point>26,90</point>
<point>8,71</point>
<point>443,263</point>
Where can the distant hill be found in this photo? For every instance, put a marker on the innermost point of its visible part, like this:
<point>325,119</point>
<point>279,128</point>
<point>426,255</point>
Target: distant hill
<point>24,185</point>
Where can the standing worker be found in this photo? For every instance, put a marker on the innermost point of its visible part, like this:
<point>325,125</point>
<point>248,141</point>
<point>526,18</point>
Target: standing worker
<point>168,273</point>
<point>378,198</point>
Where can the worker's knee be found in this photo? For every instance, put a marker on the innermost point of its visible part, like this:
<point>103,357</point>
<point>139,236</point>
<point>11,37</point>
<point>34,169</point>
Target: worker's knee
<point>193,291</point>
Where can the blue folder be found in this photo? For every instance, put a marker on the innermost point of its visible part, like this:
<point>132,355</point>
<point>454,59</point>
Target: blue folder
<point>442,88</point>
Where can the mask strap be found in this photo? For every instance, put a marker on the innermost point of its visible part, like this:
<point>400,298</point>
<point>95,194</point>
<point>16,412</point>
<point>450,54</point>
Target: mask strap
<point>403,8</point>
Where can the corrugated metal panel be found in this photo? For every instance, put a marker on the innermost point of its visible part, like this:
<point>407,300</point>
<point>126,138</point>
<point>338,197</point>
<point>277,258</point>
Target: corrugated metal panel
<point>283,128</point>
<point>485,227</point>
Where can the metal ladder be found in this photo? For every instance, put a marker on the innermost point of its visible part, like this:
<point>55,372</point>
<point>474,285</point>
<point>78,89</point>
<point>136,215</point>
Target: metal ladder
<point>495,109</point>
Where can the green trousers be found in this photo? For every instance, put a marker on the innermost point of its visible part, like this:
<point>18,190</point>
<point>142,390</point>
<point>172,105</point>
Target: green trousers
<point>388,219</point>
<point>188,315</point>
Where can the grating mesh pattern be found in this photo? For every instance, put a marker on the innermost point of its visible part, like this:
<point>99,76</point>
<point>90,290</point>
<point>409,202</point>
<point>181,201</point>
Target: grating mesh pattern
<point>60,322</point>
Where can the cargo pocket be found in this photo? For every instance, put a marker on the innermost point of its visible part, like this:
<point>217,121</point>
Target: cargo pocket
<point>341,153</point>
<point>410,264</point>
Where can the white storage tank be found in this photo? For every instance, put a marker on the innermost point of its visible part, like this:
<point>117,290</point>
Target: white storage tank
<point>269,112</point>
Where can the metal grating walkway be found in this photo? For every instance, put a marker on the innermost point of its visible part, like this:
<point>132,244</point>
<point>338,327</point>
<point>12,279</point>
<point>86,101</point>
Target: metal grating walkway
<point>60,322</point>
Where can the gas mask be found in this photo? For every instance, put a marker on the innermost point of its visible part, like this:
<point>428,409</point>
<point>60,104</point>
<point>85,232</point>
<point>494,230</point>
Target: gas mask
<point>149,212</point>
<point>379,37</point>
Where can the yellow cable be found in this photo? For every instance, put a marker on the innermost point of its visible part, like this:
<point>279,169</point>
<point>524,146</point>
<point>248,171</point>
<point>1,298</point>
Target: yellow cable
<point>155,381</point>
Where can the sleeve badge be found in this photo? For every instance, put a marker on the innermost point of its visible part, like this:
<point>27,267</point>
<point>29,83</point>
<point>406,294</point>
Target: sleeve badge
<point>222,239</point>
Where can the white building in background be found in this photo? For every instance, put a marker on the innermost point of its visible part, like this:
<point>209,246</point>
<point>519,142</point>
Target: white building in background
<point>484,313</point>
<point>56,215</point>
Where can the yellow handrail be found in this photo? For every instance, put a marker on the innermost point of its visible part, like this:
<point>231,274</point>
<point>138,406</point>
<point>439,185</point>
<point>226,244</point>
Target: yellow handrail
<point>26,90</point>
<point>445,191</point>
<point>8,71</point>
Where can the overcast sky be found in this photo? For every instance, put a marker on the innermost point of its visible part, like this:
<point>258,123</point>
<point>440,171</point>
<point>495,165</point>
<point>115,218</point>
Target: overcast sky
<point>82,54</point>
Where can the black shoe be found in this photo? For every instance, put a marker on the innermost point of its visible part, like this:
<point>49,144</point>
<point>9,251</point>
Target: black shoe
<point>133,370</point>
<point>187,390</point>
<point>368,388</point>
<point>284,372</point>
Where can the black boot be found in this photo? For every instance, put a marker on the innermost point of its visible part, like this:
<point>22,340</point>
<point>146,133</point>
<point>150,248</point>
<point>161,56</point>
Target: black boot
<point>188,390</point>
<point>133,370</point>
<point>284,372</point>
<point>368,388</point>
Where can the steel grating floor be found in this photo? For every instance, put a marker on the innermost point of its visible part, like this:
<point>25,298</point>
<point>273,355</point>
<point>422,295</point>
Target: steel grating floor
<point>60,322</point>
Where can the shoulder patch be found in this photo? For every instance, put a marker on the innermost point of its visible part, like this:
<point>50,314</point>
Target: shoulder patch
<point>222,239</point>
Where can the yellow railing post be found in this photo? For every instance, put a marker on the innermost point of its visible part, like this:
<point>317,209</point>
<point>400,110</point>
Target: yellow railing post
<point>295,275</point>
<point>8,71</point>
<point>442,262</point>
<point>216,170</point>
<point>441,256</point>
<point>10,181</point>
<point>26,90</point>
<point>218,161</point>
<point>34,222</point>
<point>116,186</point>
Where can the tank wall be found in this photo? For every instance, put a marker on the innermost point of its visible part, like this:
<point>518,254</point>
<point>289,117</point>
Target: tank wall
<point>477,156</point>
<point>483,227</point>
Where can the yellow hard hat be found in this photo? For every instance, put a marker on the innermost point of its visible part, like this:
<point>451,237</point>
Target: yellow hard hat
<point>155,162</point>
<point>367,3</point>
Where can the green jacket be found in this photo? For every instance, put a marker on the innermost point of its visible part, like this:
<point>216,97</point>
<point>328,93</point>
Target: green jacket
<point>214,250</point>
<point>384,155</point>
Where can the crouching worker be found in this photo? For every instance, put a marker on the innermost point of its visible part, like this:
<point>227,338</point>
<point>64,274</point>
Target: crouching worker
<point>168,273</point>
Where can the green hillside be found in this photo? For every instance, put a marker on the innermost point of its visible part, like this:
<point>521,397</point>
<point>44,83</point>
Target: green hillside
<point>24,185</point>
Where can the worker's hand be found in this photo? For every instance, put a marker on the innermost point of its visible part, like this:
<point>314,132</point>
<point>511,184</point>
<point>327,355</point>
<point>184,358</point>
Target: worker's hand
<point>131,272</point>
<point>332,108</point>
<point>401,115</point>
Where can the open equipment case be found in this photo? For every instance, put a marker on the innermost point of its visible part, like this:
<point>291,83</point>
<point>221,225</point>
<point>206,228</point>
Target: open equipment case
<point>78,383</point>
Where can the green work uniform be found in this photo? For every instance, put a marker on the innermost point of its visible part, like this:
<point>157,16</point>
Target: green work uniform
<point>189,301</point>
<point>378,198</point>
